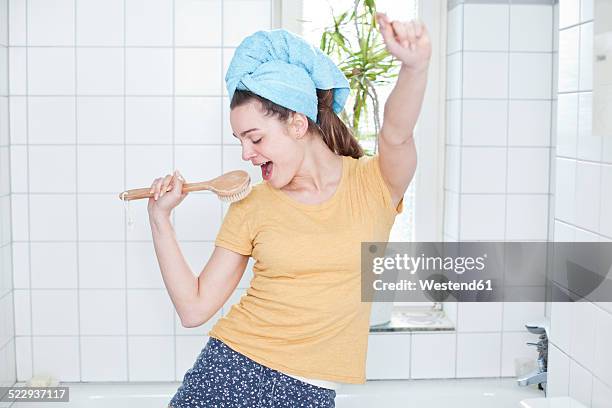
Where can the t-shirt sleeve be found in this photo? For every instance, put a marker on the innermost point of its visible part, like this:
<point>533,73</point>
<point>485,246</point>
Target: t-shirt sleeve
<point>377,186</point>
<point>235,233</point>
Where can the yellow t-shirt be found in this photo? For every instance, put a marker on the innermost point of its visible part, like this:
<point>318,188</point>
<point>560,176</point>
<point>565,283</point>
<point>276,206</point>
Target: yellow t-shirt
<point>302,313</point>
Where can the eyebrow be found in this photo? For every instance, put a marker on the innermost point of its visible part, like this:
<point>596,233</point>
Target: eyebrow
<point>245,132</point>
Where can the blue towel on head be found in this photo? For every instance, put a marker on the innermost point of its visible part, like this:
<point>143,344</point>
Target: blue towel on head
<point>287,70</point>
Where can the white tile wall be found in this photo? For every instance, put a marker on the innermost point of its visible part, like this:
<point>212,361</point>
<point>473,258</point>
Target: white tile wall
<point>424,346</point>
<point>381,364</point>
<point>528,123</point>
<point>99,71</point>
<point>144,368</point>
<point>487,130</point>
<point>108,320</point>
<point>103,358</point>
<point>136,88</point>
<point>482,217</point>
<point>50,22</point>
<point>589,144</point>
<point>485,75</point>
<point>499,104</point>
<point>580,359</point>
<point>585,80</point>
<point>100,120</point>
<point>193,70</point>
<point>528,170</point>
<point>148,23</point>
<point>602,394</point>
<point>454,65</point>
<point>486,27</point>
<point>527,217</point>
<point>580,383</point>
<point>603,337</point>
<point>200,23</point>
<point>569,45</point>
<point>479,317</point>
<point>453,168</point>
<point>605,222</point>
<point>565,188</point>
<point>454,29</point>
<point>188,349</point>
<point>531,28</point>
<point>242,17</point>
<point>50,71</point>
<point>148,71</point>
<point>502,93</point>
<point>470,349</point>
<point>54,355</point>
<point>530,75</point>
<point>8,301</point>
<point>17,22</point>
<point>99,24</point>
<point>558,368</point>
<point>514,348</point>
<point>587,193</point>
<point>586,10</point>
<point>51,120</point>
<point>569,12</point>
<point>483,170</point>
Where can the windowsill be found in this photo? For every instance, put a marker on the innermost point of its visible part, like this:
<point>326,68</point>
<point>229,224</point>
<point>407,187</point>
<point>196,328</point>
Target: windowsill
<point>415,321</point>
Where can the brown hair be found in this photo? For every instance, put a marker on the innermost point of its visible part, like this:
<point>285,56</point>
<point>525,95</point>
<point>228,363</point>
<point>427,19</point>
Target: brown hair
<point>336,135</point>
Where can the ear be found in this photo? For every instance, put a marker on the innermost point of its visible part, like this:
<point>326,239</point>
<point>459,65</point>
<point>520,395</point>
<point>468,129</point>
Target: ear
<point>298,125</point>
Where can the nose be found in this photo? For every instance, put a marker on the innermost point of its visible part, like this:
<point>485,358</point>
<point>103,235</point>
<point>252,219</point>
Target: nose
<point>247,152</point>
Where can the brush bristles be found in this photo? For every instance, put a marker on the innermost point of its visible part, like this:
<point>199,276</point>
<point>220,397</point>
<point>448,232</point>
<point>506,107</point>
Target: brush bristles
<point>236,197</point>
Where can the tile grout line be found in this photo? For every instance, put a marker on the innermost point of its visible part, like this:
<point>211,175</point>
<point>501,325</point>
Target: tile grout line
<point>577,113</point>
<point>509,67</point>
<point>173,121</point>
<point>220,204</point>
<point>125,228</point>
<point>76,198</point>
<point>460,198</point>
<point>134,95</point>
<point>127,46</point>
<point>551,165</point>
<point>10,201</point>
<point>29,228</point>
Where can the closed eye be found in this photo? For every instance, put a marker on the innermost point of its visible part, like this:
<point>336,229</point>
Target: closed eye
<point>258,140</point>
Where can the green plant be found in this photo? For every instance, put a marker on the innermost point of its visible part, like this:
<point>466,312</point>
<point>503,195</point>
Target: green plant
<point>354,42</point>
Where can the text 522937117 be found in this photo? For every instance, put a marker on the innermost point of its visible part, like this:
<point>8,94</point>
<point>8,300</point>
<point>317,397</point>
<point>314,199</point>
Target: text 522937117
<point>38,394</point>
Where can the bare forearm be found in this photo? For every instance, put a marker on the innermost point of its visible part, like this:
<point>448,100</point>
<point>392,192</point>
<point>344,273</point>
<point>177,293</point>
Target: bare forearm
<point>180,282</point>
<point>404,104</point>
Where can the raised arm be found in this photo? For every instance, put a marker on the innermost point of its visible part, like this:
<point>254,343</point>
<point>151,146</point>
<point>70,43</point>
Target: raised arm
<point>409,43</point>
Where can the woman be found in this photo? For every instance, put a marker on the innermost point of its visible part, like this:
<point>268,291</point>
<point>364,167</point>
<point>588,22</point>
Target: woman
<point>301,329</point>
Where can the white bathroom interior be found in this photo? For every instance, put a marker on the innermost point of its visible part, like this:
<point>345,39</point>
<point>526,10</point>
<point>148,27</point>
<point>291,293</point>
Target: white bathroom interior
<point>96,97</point>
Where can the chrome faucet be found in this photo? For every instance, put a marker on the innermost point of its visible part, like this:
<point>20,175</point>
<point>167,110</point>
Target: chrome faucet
<point>540,375</point>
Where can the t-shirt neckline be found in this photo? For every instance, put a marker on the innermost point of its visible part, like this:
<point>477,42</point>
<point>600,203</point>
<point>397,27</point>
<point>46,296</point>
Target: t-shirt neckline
<point>320,206</point>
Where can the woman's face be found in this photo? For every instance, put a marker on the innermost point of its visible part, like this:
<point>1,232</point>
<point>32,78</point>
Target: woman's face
<point>267,143</point>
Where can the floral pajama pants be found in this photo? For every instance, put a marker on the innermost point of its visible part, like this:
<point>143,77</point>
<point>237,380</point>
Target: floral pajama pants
<point>222,377</point>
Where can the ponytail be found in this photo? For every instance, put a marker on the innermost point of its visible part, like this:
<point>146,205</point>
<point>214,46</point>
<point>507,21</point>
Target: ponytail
<point>334,132</point>
<point>336,135</point>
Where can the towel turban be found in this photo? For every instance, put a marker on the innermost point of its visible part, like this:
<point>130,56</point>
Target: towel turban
<point>287,70</point>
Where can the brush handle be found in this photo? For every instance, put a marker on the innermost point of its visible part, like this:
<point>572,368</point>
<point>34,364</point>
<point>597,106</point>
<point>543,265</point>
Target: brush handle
<point>138,193</point>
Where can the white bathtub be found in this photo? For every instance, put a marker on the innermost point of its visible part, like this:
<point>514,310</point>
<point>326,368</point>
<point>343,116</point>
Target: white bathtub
<point>455,393</point>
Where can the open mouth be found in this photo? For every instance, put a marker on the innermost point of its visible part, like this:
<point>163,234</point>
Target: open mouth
<point>266,170</point>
